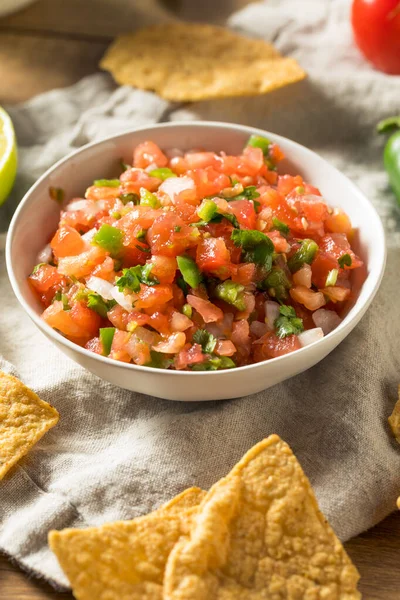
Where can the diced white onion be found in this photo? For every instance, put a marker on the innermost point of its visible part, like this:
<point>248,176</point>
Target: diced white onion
<point>45,255</point>
<point>310,336</point>
<point>88,206</point>
<point>327,320</point>
<point>100,286</point>
<point>123,300</point>
<point>271,313</point>
<point>173,186</point>
<point>88,236</point>
<point>151,167</point>
<point>258,328</point>
<point>180,322</point>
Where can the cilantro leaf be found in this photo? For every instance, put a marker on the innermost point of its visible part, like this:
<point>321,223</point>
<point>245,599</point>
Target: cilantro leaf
<point>215,363</point>
<point>288,323</point>
<point>280,226</point>
<point>206,340</point>
<point>132,278</point>
<point>249,193</point>
<point>257,247</point>
<point>98,304</point>
<point>345,260</point>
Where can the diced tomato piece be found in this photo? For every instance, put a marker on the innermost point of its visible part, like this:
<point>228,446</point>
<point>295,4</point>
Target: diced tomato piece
<point>313,209</point>
<point>212,254</point>
<point>95,345</point>
<point>241,337</point>
<point>67,242</point>
<point>118,316</point>
<point>118,346</point>
<point>46,277</point>
<point>191,354</point>
<point>138,350</point>
<point>180,322</point>
<point>320,267</point>
<point>201,160</point>
<point>148,153</point>
<point>151,296</point>
<point>207,310</point>
<point>336,293</point>
<point>251,161</point>
<point>160,322</point>
<point>225,348</point>
<point>170,236</point>
<point>245,273</point>
<point>164,268</point>
<point>287,183</point>
<point>88,320</point>
<point>338,223</point>
<point>311,300</point>
<point>208,181</point>
<point>273,346</point>
<point>337,244</point>
<point>96,192</point>
<point>275,153</point>
<point>136,318</point>
<point>83,264</point>
<point>280,243</point>
<point>173,344</point>
<point>134,179</point>
<point>105,270</point>
<point>244,212</point>
<point>78,323</point>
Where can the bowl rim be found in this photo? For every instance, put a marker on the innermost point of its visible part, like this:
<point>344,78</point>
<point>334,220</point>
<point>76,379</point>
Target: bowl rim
<point>341,331</point>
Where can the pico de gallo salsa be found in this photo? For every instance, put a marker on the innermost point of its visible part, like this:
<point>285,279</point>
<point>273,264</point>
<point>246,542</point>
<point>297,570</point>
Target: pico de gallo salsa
<point>197,261</point>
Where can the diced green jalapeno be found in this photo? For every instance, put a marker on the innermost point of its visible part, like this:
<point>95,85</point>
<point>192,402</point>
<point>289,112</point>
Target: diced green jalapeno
<point>331,277</point>
<point>109,238</point>
<point>232,293</point>
<point>215,363</point>
<point>207,210</point>
<point>280,226</point>
<point>106,339</point>
<point>257,141</point>
<point>187,310</point>
<point>162,173</point>
<point>190,271</point>
<point>305,254</point>
<point>148,199</point>
<point>107,183</point>
<point>277,281</point>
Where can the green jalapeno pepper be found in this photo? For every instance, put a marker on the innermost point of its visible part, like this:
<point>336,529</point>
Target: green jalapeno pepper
<point>391,153</point>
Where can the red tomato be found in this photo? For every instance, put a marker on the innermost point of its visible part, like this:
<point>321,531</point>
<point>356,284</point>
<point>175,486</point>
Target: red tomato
<point>148,153</point>
<point>212,254</point>
<point>274,346</point>
<point>83,264</point>
<point>170,236</point>
<point>67,242</point>
<point>156,295</point>
<point>45,278</point>
<point>164,268</point>
<point>376,26</point>
<point>244,212</point>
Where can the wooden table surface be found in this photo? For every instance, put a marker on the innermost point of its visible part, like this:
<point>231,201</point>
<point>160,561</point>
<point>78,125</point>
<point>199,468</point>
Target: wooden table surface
<point>54,43</point>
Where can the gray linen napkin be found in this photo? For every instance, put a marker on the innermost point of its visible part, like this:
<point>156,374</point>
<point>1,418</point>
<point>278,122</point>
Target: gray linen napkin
<point>116,454</point>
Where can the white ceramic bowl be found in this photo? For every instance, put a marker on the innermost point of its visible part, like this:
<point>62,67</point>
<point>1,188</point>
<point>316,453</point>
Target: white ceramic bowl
<point>37,216</point>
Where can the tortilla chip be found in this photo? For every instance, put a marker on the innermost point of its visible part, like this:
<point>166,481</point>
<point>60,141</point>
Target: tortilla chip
<point>24,419</point>
<point>193,61</point>
<point>259,534</point>
<point>124,560</point>
<point>394,419</point>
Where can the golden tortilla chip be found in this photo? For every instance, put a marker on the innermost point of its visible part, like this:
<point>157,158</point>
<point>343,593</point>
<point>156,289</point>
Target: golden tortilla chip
<point>124,560</point>
<point>394,419</point>
<point>24,419</point>
<point>193,61</point>
<point>259,534</point>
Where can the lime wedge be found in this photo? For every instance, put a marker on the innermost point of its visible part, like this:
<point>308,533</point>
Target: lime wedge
<point>8,155</point>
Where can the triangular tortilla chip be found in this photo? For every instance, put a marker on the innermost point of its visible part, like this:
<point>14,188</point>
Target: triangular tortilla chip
<point>259,534</point>
<point>124,560</point>
<point>24,419</point>
<point>197,61</point>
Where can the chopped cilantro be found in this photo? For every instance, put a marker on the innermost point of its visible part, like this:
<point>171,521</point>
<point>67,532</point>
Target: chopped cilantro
<point>305,254</point>
<point>345,260</point>
<point>280,226</point>
<point>288,323</point>
<point>158,360</point>
<point>177,228</point>
<point>107,183</point>
<point>132,278</point>
<point>206,340</point>
<point>141,234</point>
<point>257,247</point>
<point>98,304</point>
<point>231,218</point>
<point>249,193</point>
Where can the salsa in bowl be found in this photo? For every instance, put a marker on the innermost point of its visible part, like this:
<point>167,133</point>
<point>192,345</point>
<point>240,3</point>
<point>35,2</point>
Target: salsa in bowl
<point>197,254</point>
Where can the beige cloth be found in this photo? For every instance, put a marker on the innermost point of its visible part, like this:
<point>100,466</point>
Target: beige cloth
<point>116,454</point>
